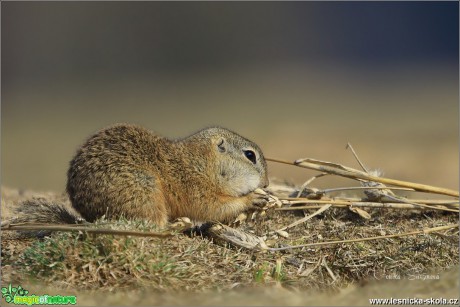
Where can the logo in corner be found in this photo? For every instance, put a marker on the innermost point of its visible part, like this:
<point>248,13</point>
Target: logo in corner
<point>19,296</point>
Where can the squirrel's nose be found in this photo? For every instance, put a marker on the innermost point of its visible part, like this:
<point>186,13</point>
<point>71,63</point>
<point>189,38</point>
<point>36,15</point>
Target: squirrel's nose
<point>265,183</point>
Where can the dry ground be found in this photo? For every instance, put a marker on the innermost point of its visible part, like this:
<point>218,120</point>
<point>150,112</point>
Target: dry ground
<point>184,270</point>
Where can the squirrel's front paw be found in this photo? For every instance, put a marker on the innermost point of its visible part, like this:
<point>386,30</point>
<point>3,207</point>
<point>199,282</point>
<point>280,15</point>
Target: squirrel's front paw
<point>259,198</point>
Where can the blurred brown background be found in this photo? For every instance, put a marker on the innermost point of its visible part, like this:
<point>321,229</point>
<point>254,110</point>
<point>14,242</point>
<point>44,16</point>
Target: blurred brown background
<point>301,79</point>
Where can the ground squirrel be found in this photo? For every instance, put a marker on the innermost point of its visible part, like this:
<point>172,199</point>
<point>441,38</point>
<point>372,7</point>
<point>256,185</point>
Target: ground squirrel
<point>126,170</point>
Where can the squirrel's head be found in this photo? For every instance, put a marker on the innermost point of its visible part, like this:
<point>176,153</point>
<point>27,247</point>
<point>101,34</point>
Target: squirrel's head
<point>241,166</point>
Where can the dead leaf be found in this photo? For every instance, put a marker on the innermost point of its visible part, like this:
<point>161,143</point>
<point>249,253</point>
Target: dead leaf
<point>360,212</point>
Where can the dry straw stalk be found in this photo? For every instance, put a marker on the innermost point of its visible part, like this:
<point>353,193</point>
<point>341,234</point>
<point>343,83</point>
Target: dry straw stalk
<point>340,170</point>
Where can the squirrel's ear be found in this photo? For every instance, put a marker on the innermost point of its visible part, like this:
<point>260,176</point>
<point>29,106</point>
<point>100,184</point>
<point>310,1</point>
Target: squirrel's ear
<point>221,146</point>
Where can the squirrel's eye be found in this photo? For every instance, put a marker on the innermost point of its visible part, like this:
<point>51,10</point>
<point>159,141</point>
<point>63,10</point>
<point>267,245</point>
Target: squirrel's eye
<point>250,155</point>
<point>221,146</point>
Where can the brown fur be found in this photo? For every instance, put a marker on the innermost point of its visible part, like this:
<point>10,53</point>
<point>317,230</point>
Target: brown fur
<point>40,210</point>
<point>126,170</point>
